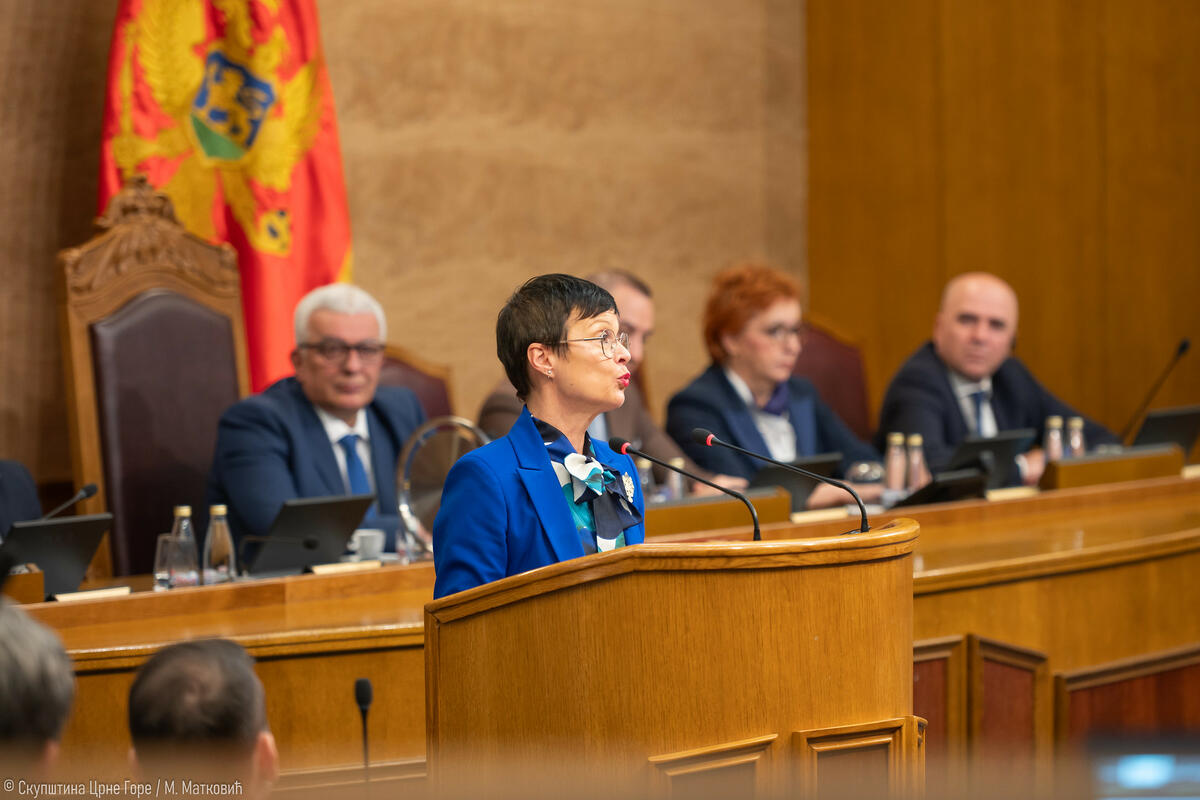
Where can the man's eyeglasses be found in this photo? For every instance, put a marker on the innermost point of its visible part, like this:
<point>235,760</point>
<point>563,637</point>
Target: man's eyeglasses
<point>608,342</point>
<point>339,351</point>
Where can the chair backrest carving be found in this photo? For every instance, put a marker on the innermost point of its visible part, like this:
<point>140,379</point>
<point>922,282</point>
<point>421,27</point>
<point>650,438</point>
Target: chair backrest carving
<point>154,350</point>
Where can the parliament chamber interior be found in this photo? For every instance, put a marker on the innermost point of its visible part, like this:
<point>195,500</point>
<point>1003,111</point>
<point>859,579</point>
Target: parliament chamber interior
<point>1014,614</point>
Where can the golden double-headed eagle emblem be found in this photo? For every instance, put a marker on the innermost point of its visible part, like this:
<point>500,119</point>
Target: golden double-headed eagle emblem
<point>234,124</point>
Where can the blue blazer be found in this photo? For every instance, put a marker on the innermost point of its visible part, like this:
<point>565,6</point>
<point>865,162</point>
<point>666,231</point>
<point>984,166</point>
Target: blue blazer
<point>272,447</point>
<point>711,402</point>
<point>18,496</point>
<point>920,400</point>
<point>503,511</point>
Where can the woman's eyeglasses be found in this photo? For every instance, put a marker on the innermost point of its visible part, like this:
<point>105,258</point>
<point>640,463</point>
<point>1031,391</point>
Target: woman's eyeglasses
<point>608,342</point>
<point>781,333</point>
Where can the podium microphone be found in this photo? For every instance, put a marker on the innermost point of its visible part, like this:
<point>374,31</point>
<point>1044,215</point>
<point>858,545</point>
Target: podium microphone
<point>1184,344</point>
<point>363,695</point>
<point>625,448</point>
<point>708,439</point>
<point>87,491</point>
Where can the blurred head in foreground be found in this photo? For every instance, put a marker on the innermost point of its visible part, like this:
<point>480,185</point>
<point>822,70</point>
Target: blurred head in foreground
<point>197,709</point>
<point>37,686</point>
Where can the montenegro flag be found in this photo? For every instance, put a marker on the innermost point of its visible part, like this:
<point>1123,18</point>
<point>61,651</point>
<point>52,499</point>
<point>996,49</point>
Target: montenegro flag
<point>226,106</point>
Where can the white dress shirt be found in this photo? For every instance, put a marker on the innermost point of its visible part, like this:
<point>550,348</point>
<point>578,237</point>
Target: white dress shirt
<point>335,429</point>
<point>964,388</point>
<point>776,429</point>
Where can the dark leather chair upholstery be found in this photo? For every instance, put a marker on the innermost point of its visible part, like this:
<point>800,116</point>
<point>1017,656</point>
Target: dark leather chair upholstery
<point>164,372</point>
<point>154,352</point>
<point>835,366</point>
<point>430,382</point>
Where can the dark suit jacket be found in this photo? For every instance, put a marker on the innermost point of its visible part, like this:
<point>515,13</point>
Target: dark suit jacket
<point>921,400</point>
<point>631,422</point>
<point>503,511</point>
<point>711,402</point>
<point>272,447</point>
<point>18,495</point>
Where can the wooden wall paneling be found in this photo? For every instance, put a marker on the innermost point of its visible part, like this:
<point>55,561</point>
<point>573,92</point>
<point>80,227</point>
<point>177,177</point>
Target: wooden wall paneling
<point>733,769</point>
<point>1010,716</point>
<point>1023,176</point>
<point>874,759</point>
<point>1155,693</point>
<point>874,175</point>
<point>940,698</point>
<point>1151,128</point>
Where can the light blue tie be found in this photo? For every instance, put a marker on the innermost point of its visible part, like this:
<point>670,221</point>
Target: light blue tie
<point>357,476</point>
<point>979,397</point>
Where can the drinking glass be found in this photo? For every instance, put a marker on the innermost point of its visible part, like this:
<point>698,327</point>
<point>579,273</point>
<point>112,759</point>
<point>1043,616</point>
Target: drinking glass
<point>174,562</point>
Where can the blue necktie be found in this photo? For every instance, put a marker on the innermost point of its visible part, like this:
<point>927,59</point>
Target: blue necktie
<point>979,397</point>
<point>357,476</point>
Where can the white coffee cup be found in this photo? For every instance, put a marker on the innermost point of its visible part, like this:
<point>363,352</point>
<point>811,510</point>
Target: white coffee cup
<point>367,543</point>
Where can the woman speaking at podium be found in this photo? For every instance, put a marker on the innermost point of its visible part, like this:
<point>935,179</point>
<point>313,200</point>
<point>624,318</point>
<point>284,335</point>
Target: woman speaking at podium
<point>545,492</point>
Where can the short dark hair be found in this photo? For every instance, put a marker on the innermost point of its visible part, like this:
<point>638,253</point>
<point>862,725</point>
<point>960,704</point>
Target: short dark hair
<point>539,312</point>
<point>37,681</point>
<point>201,693</point>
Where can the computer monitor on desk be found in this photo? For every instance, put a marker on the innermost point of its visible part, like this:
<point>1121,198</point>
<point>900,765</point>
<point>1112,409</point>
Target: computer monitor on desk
<point>1179,426</point>
<point>307,531</point>
<point>995,456</point>
<point>62,548</point>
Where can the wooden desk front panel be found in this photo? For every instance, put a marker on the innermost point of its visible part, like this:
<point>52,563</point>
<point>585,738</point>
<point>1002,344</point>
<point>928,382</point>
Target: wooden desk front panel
<point>311,636</point>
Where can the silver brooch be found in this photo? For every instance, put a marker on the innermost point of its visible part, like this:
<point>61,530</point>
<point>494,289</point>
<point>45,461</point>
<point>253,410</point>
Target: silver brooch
<point>628,486</point>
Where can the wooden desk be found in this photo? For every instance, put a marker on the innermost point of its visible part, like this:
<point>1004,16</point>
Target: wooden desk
<point>1086,576</point>
<point>312,636</point>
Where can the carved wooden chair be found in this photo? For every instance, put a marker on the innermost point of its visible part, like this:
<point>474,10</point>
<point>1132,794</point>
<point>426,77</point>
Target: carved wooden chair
<point>154,350</point>
<point>834,363</point>
<point>430,381</point>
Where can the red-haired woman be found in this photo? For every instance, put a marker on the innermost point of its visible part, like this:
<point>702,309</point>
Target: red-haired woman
<point>748,395</point>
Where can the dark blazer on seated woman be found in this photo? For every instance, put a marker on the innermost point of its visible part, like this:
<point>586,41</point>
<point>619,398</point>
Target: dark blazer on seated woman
<point>507,512</point>
<point>18,495</point>
<point>711,402</point>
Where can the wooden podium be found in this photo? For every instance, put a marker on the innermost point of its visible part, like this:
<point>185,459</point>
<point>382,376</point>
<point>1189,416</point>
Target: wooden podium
<point>737,669</point>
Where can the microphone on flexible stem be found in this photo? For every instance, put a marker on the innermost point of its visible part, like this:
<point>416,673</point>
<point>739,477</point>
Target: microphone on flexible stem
<point>87,491</point>
<point>708,439</point>
<point>307,542</point>
<point>1127,431</point>
<point>363,695</point>
<point>625,448</point>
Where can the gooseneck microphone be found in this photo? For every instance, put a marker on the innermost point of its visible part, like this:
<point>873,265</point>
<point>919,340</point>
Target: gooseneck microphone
<point>1127,431</point>
<point>363,695</point>
<point>83,494</point>
<point>708,439</point>
<point>625,448</point>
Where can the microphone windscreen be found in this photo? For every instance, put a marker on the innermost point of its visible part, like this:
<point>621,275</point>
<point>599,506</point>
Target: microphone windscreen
<point>618,444</point>
<point>702,436</point>
<point>363,693</point>
<point>88,491</point>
